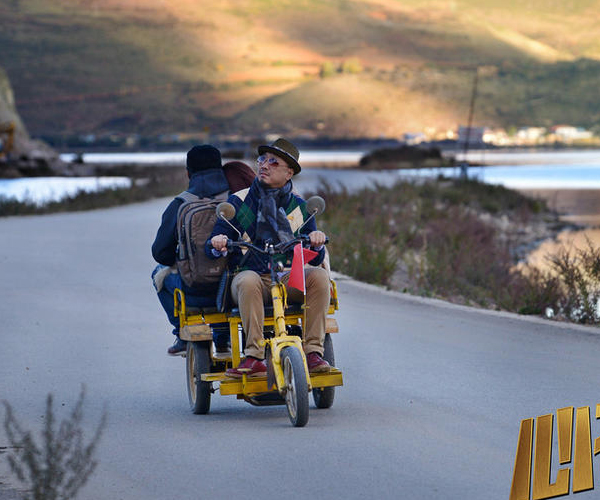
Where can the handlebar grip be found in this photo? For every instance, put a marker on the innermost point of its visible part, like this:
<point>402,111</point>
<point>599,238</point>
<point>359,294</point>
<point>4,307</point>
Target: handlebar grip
<point>306,239</point>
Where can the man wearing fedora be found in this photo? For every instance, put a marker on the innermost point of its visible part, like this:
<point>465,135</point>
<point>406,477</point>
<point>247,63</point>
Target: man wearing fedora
<point>269,211</point>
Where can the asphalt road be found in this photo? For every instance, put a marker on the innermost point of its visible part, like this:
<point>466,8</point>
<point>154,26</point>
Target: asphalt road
<point>431,406</point>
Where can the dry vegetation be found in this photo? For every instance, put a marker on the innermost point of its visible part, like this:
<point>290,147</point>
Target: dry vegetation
<point>59,464</point>
<point>459,241</point>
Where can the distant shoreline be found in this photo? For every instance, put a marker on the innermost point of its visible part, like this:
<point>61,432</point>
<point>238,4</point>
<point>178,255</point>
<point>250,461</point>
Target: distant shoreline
<point>578,206</point>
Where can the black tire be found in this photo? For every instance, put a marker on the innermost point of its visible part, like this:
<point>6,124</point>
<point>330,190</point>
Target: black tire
<point>324,396</point>
<point>197,363</point>
<point>296,393</point>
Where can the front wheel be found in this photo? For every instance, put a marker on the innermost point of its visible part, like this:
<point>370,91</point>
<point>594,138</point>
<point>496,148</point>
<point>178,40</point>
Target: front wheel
<point>197,363</point>
<point>296,386</point>
<point>324,396</point>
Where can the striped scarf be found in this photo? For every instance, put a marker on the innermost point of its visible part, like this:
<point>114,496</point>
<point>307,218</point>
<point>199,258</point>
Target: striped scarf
<point>271,222</point>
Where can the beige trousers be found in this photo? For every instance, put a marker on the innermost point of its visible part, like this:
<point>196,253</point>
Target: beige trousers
<point>251,291</point>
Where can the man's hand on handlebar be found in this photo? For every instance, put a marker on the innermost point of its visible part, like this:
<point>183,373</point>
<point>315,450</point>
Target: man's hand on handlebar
<point>317,239</point>
<point>219,242</point>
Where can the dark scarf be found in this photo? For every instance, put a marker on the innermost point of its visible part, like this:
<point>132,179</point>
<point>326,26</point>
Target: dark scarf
<point>271,221</point>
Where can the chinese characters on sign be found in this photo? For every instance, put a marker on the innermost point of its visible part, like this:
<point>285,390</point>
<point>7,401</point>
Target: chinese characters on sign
<point>577,452</point>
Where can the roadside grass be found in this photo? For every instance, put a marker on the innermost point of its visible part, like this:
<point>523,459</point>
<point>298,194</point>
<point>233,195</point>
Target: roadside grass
<point>441,238</point>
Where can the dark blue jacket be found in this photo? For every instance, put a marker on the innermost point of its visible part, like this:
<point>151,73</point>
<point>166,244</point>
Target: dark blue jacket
<point>246,206</point>
<point>203,183</point>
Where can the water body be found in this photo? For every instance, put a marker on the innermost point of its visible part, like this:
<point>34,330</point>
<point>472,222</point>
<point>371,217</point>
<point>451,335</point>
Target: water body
<point>519,176</point>
<point>178,157</point>
<point>41,190</point>
<point>515,170</point>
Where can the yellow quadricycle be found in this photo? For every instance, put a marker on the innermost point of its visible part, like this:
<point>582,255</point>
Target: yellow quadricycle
<point>288,380</point>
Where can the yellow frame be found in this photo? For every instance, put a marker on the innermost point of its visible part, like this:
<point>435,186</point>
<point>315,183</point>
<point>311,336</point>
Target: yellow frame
<point>195,326</point>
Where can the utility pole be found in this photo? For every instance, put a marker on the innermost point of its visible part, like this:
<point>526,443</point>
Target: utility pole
<point>464,164</point>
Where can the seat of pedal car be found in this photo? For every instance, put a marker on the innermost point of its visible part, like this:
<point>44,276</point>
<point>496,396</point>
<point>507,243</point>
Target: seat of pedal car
<point>193,311</point>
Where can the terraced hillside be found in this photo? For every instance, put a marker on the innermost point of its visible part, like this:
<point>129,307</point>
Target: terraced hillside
<point>330,67</point>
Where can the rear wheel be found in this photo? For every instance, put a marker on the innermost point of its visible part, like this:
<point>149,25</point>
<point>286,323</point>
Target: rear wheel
<point>197,363</point>
<point>296,386</point>
<point>324,396</point>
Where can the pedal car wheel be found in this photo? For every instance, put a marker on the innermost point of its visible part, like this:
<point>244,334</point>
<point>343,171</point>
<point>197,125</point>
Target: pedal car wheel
<point>296,390</point>
<point>324,396</point>
<point>197,363</point>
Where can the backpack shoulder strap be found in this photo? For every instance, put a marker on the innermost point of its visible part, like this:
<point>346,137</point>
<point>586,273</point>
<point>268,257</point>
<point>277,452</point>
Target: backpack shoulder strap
<point>186,196</point>
<point>224,196</point>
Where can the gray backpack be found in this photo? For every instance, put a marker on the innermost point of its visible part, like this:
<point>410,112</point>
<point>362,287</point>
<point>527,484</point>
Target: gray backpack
<point>196,218</point>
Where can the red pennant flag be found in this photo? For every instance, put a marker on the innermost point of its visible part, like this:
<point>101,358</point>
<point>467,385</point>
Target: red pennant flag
<point>297,272</point>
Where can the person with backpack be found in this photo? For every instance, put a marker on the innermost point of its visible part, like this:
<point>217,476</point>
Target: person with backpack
<point>270,211</point>
<point>186,223</point>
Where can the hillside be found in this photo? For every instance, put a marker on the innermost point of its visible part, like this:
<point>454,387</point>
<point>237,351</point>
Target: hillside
<point>250,66</point>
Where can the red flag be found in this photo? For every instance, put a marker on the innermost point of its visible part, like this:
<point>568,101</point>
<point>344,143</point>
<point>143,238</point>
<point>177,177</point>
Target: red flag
<point>297,272</point>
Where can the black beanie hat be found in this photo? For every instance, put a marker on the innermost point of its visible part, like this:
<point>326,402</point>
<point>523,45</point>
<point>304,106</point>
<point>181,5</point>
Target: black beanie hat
<point>203,158</point>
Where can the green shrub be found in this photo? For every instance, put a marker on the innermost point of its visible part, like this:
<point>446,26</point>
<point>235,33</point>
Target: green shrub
<point>352,66</point>
<point>327,69</point>
<point>530,291</point>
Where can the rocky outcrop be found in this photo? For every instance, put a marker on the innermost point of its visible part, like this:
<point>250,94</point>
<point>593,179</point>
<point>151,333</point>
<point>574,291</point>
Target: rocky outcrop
<point>405,156</point>
<point>28,157</point>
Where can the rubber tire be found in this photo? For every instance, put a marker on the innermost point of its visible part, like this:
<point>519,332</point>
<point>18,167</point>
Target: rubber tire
<point>296,400</point>
<point>324,396</point>
<point>197,363</point>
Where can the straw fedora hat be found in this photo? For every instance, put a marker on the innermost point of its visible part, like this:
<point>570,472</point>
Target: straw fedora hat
<point>285,150</point>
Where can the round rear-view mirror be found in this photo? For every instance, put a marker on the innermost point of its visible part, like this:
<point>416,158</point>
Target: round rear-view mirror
<point>225,211</point>
<point>315,205</point>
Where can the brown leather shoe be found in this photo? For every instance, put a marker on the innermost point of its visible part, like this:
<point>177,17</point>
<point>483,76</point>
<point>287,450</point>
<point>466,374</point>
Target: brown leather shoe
<point>178,348</point>
<point>251,367</point>
<point>316,364</point>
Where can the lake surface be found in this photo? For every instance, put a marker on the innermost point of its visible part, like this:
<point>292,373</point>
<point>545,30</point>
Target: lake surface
<point>178,157</point>
<point>515,170</point>
<point>510,176</point>
<point>41,190</point>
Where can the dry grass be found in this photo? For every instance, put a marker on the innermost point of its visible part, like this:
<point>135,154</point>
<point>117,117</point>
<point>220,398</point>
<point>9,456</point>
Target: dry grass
<point>442,239</point>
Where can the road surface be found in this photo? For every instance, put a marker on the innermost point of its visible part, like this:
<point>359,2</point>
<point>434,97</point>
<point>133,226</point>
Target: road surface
<point>431,406</point>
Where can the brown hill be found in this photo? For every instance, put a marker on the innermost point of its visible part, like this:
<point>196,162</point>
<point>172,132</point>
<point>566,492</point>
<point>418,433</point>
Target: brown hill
<point>343,67</point>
